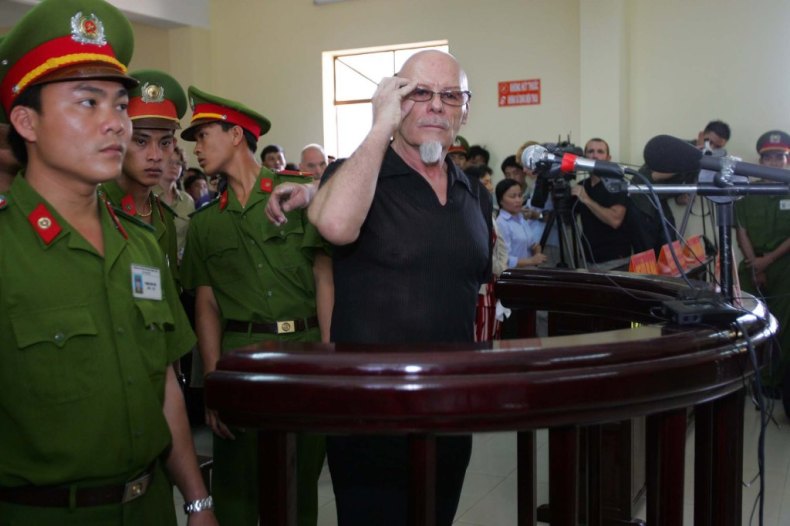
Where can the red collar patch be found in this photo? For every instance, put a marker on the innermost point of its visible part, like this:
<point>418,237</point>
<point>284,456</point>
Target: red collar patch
<point>3,202</point>
<point>128,206</point>
<point>44,224</point>
<point>223,200</point>
<point>266,185</point>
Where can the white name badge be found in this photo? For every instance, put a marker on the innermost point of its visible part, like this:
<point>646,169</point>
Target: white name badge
<point>146,282</point>
<point>784,204</point>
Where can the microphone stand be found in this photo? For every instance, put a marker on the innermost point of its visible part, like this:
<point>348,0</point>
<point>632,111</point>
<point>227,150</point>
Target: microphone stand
<point>722,188</point>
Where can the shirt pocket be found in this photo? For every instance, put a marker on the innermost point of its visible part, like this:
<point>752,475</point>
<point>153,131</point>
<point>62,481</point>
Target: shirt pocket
<point>284,242</point>
<point>58,351</point>
<point>224,259</point>
<point>157,320</point>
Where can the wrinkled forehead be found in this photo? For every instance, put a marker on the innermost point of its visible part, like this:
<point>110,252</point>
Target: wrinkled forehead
<point>313,154</point>
<point>596,145</point>
<point>435,69</point>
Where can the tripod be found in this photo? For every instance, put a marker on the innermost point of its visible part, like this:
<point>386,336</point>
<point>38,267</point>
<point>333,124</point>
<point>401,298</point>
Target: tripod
<point>571,254</point>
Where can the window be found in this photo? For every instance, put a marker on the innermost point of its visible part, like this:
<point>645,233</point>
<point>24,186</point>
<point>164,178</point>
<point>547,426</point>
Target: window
<point>350,79</point>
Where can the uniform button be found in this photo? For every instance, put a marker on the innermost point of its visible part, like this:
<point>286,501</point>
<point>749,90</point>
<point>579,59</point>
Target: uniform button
<point>59,337</point>
<point>119,330</point>
<point>129,381</point>
<point>282,233</point>
<point>138,434</point>
<point>269,293</point>
<point>260,265</point>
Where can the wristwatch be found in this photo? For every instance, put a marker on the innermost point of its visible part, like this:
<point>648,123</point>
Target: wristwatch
<point>199,505</point>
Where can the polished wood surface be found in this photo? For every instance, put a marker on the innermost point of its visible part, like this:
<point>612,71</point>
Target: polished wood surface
<point>559,382</point>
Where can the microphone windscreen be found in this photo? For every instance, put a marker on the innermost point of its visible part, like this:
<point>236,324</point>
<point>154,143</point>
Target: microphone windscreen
<point>664,153</point>
<point>532,155</point>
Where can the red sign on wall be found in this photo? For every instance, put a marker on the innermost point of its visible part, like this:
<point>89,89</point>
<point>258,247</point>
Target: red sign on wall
<point>519,92</point>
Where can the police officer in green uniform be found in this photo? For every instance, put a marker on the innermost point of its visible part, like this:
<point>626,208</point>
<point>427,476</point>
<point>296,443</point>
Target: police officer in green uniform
<point>763,231</point>
<point>155,106</point>
<point>92,422</point>
<point>253,282</point>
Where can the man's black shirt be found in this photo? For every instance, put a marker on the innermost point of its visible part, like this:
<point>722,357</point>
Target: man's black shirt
<point>601,242</point>
<point>414,272</point>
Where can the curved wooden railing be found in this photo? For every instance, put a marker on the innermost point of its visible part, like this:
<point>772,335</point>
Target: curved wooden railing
<point>559,382</point>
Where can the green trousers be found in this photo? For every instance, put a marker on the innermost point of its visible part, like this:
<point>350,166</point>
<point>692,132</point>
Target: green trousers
<point>777,297</point>
<point>234,481</point>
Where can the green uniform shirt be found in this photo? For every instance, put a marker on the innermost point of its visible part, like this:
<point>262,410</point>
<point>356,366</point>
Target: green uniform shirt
<point>766,219</point>
<point>258,271</point>
<point>163,222</point>
<point>83,361</point>
<point>183,206</point>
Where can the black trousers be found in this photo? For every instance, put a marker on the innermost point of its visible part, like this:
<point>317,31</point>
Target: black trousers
<point>370,477</point>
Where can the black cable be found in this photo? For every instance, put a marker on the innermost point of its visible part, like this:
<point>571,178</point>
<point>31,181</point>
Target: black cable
<point>760,501</point>
<point>654,199</point>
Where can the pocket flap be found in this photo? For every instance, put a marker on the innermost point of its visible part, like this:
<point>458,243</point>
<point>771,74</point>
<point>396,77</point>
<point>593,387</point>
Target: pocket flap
<point>156,314</point>
<point>55,326</point>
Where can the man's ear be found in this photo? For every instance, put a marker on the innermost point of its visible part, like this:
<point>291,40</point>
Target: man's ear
<point>465,114</point>
<point>24,119</point>
<point>238,135</point>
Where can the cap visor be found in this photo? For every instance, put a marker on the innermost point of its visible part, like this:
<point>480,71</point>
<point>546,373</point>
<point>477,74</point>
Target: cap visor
<point>96,71</point>
<point>154,123</point>
<point>189,133</point>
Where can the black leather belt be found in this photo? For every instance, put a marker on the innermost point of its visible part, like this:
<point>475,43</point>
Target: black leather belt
<point>277,327</point>
<point>61,496</point>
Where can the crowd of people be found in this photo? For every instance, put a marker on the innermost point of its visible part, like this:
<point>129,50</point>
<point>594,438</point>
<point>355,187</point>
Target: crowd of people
<point>118,260</point>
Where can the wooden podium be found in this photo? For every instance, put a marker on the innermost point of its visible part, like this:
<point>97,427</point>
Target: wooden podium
<point>562,383</point>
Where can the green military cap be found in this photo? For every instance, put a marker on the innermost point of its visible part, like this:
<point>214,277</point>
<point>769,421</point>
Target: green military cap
<point>460,145</point>
<point>157,102</point>
<point>774,140</point>
<point>208,108</point>
<point>61,40</point>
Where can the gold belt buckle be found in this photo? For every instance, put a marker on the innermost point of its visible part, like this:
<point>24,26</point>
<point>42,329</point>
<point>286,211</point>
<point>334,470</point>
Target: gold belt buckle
<point>136,488</point>
<point>286,327</point>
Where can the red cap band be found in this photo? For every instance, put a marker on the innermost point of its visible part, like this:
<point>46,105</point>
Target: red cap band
<point>162,110</point>
<point>51,56</point>
<point>223,113</point>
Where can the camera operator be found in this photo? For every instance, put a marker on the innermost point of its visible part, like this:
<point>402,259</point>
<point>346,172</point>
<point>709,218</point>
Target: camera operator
<point>607,246</point>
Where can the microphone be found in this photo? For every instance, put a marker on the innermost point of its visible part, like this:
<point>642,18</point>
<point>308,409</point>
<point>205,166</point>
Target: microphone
<point>668,154</point>
<point>537,156</point>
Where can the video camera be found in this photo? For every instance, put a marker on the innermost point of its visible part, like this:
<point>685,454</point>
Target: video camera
<point>550,180</point>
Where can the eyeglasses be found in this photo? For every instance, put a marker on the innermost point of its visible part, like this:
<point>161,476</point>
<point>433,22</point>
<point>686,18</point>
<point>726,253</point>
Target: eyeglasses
<point>449,97</point>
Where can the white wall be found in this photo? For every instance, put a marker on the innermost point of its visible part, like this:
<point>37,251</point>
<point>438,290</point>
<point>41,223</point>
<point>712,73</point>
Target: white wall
<point>268,55</point>
<point>693,61</point>
<point>625,70</point>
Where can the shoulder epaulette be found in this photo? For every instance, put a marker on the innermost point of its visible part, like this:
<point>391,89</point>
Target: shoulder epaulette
<point>210,204</point>
<point>132,219</point>
<point>295,173</point>
<point>166,206</point>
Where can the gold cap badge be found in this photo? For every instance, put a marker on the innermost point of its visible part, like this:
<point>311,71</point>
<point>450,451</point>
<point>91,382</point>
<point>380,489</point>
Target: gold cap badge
<point>87,29</point>
<point>152,92</point>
